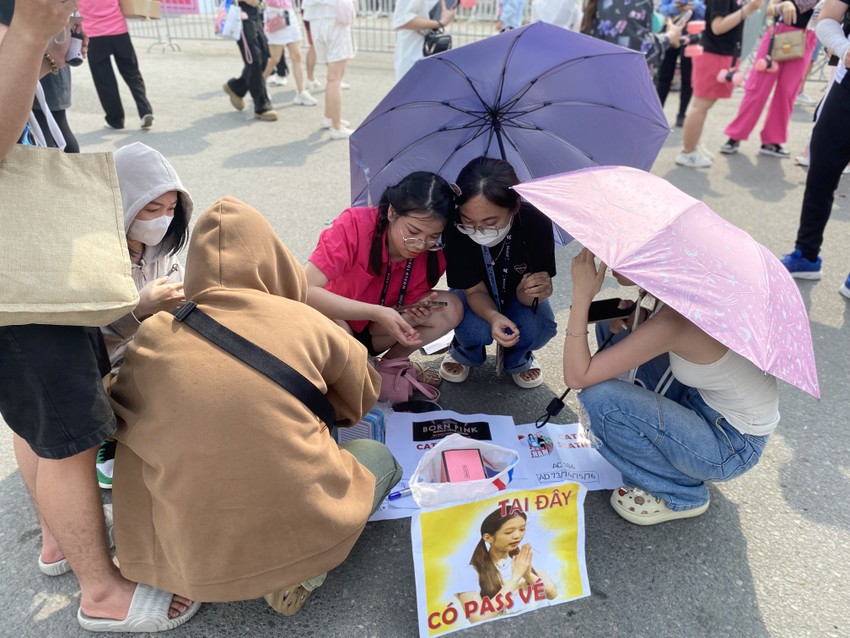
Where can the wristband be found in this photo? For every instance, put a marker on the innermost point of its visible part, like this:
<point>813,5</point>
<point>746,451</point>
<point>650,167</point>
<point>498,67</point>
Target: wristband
<point>54,69</point>
<point>576,334</point>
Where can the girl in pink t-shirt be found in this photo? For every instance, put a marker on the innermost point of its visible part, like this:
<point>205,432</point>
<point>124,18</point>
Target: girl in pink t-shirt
<point>104,23</point>
<point>374,262</point>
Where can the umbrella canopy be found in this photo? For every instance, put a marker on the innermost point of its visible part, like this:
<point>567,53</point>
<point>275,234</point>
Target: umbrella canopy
<point>679,250</point>
<point>545,99</point>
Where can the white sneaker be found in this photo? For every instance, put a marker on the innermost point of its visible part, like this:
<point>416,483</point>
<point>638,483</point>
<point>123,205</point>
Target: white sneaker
<point>340,133</point>
<point>105,470</point>
<point>276,80</point>
<point>803,160</point>
<point>312,85</point>
<point>327,123</point>
<point>304,99</point>
<point>805,100</point>
<point>692,160</point>
<point>344,86</point>
<point>845,288</point>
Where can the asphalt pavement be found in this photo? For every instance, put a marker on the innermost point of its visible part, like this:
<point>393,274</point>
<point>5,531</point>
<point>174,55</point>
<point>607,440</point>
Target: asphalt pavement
<point>771,557</point>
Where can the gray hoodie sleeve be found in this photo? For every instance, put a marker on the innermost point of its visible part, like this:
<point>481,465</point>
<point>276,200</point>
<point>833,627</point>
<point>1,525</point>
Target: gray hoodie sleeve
<point>126,326</point>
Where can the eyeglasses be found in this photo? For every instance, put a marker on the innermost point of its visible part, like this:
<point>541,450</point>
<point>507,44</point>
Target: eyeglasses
<point>486,231</point>
<point>416,242</point>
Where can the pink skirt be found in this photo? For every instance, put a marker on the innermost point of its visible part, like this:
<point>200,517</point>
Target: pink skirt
<point>704,76</point>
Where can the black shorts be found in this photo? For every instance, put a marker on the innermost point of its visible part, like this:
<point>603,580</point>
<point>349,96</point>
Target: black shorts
<point>51,390</point>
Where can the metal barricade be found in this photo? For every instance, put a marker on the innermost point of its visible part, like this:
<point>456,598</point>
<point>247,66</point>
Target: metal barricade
<point>195,20</point>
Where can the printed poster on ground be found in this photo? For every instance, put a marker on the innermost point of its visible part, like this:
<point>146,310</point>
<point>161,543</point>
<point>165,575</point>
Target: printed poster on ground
<point>494,558</point>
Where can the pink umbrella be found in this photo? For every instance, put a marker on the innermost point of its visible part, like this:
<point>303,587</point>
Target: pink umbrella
<point>679,250</point>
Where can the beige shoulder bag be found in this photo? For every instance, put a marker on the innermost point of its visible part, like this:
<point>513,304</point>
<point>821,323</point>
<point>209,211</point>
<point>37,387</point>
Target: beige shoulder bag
<point>63,253</point>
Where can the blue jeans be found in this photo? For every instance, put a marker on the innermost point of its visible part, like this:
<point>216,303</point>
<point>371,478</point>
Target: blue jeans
<point>650,372</point>
<point>473,334</point>
<point>667,447</point>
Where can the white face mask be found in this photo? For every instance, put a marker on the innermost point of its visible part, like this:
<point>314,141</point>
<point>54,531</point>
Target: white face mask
<point>488,240</point>
<point>149,231</point>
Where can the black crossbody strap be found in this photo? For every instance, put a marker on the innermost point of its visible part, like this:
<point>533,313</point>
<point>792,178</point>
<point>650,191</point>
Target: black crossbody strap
<point>261,360</point>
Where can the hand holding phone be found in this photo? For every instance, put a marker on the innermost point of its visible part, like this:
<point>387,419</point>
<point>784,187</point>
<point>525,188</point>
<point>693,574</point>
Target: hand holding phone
<point>444,11</point>
<point>607,310</point>
<point>424,304</point>
<point>682,20</point>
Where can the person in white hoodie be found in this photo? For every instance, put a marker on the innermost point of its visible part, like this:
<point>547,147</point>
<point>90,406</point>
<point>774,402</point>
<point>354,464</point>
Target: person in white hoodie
<point>157,209</point>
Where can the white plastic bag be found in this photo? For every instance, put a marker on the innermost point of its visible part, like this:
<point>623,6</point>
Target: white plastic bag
<point>231,25</point>
<point>428,491</point>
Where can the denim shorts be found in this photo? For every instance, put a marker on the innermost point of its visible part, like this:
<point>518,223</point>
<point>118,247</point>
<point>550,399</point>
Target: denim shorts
<point>51,389</point>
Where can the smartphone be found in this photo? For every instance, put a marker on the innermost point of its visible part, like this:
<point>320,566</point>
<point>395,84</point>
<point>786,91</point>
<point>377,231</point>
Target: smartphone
<point>607,309</point>
<point>682,20</point>
<point>436,11</point>
<point>424,304</point>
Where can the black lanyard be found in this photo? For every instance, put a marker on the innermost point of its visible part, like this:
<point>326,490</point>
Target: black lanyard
<point>488,262</point>
<point>404,281</point>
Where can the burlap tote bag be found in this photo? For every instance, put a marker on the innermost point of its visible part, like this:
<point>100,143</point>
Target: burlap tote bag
<point>63,253</point>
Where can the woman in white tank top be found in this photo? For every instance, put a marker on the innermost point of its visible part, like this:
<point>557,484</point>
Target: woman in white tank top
<point>711,425</point>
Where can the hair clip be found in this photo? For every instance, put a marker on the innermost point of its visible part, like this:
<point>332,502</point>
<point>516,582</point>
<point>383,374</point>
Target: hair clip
<point>456,189</point>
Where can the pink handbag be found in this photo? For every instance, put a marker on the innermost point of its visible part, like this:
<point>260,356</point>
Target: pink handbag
<point>398,381</point>
<point>275,23</point>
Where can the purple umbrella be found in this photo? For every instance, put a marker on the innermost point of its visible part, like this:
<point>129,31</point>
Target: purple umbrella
<point>545,99</point>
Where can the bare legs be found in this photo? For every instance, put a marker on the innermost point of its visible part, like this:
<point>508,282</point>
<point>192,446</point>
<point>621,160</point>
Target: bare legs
<point>294,49</point>
<point>694,123</point>
<point>275,51</point>
<point>28,466</point>
<point>66,496</point>
<point>311,64</point>
<point>333,93</point>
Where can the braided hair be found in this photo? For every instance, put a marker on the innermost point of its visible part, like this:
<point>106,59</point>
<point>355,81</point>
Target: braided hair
<point>419,192</point>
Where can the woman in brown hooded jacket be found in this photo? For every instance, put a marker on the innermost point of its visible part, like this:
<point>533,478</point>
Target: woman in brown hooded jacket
<point>226,486</point>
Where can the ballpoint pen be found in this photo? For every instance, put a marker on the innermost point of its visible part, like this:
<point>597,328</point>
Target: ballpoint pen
<point>399,493</point>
